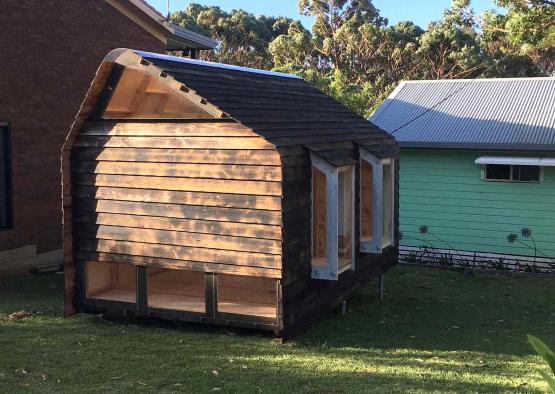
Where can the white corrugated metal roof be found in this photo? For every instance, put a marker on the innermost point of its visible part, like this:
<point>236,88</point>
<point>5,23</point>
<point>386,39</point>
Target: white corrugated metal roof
<point>510,113</point>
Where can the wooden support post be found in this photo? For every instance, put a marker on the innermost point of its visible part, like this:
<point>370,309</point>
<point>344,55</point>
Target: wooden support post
<point>142,289</point>
<point>380,285</point>
<point>211,295</point>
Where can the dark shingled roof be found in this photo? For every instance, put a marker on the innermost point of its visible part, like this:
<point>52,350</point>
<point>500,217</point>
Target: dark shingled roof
<point>283,108</point>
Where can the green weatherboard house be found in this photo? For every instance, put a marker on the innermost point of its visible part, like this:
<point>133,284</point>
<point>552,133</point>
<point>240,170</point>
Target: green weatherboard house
<point>477,164</point>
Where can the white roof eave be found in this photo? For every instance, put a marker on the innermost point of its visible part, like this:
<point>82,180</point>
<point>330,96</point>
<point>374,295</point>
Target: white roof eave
<point>520,161</point>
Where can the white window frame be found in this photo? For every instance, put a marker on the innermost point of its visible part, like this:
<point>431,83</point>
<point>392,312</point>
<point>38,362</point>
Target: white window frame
<point>376,245</point>
<point>330,271</point>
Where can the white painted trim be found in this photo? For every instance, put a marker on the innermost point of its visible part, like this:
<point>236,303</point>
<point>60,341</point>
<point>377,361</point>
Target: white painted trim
<point>517,161</point>
<point>331,172</point>
<point>374,246</point>
<point>351,169</point>
<point>391,163</point>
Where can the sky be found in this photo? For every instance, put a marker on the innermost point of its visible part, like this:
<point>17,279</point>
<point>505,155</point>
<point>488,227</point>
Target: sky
<point>419,11</point>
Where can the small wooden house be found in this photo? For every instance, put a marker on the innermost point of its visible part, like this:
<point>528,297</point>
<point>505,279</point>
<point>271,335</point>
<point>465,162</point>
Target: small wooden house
<point>213,193</point>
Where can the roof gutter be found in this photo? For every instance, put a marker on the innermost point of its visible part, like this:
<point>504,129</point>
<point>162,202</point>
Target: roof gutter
<point>174,37</point>
<point>467,145</point>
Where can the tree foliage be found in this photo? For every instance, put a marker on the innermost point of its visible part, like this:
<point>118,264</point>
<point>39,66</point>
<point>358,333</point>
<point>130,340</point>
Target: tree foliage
<point>354,54</point>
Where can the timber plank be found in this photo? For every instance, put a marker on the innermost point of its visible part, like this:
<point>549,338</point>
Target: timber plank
<point>167,129</point>
<point>179,252</point>
<point>173,142</point>
<point>165,237</point>
<point>269,203</point>
<point>212,171</point>
<point>179,264</point>
<point>180,211</point>
<point>208,156</point>
<point>248,230</point>
<point>263,188</point>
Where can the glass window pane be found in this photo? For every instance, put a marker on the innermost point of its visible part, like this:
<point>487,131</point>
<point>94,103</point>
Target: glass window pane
<point>141,96</point>
<point>366,201</point>
<point>111,281</point>
<point>497,171</point>
<point>318,217</point>
<point>387,220</point>
<point>526,173</point>
<point>176,289</point>
<point>345,218</point>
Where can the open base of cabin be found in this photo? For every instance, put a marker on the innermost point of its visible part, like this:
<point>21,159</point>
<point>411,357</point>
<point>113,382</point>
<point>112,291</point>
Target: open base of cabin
<point>175,289</point>
<point>210,296</point>
<point>112,282</point>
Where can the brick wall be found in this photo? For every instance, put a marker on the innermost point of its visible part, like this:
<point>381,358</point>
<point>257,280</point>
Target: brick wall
<point>50,50</point>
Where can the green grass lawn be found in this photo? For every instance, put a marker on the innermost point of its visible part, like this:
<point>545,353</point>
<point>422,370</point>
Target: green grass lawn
<point>436,331</point>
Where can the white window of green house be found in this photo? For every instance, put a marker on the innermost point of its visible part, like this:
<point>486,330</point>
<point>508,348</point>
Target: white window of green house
<point>377,185</point>
<point>511,173</point>
<point>513,169</point>
<point>333,244</point>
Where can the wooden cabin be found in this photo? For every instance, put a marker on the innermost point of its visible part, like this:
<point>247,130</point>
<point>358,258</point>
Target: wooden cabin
<point>219,194</point>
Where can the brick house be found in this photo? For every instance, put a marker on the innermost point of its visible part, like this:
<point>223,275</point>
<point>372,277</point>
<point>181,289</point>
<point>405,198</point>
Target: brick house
<point>50,52</point>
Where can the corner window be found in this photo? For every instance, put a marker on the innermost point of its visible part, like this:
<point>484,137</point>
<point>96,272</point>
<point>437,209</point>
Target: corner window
<point>511,173</point>
<point>332,219</point>
<point>377,185</point>
<point>5,181</point>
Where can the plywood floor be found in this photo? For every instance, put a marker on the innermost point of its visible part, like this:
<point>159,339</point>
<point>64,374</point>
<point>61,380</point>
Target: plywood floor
<point>117,294</point>
<point>251,308</point>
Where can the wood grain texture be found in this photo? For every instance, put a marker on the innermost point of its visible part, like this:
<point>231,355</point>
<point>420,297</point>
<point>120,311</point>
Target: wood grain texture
<point>248,230</point>
<point>207,171</point>
<point>201,266</point>
<point>223,129</point>
<point>179,211</point>
<point>173,142</point>
<point>204,193</point>
<point>262,188</point>
<point>194,156</point>
<point>179,252</point>
<point>269,203</point>
<point>164,237</point>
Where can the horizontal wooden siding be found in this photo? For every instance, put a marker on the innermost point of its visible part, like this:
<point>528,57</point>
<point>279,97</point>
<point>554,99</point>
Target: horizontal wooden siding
<point>202,196</point>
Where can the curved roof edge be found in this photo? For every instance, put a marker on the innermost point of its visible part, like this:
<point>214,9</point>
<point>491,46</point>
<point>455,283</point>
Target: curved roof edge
<point>213,64</point>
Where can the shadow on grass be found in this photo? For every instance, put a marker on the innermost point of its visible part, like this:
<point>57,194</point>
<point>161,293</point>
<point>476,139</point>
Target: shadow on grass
<point>436,331</point>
